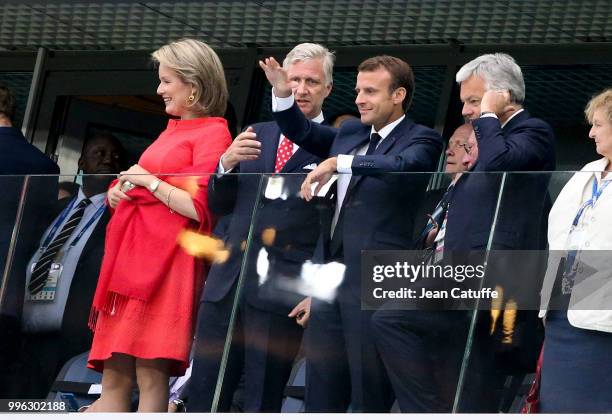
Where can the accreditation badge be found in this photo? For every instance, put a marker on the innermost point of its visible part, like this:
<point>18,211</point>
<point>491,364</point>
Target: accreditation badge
<point>47,294</point>
<point>439,243</point>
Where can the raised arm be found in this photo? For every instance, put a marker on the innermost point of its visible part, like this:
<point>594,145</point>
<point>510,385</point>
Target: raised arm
<point>315,138</point>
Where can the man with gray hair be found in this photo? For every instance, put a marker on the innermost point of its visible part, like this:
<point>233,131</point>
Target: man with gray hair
<point>509,140</point>
<point>269,324</point>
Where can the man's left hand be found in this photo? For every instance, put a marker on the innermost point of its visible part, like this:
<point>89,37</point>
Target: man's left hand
<point>496,101</point>
<point>321,174</point>
<point>301,312</point>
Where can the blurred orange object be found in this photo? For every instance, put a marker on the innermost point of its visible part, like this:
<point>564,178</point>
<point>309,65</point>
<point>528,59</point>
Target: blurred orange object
<point>203,246</point>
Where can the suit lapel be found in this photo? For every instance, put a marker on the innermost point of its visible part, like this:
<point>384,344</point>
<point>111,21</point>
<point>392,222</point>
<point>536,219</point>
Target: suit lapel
<point>518,119</point>
<point>300,157</point>
<point>100,229</point>
<point>384,146</point>
<point>269,146</point>
<point>352,142</point>
<point>397,132</point>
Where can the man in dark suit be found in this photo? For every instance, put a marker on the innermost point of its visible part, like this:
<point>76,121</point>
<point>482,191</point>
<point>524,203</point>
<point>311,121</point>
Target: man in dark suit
<point>509,139</point>
<point>264,338</point>
<point>54,316</point>
<point>25,196</point>
<point>19,158</point>
<point>422,349</point>
<point>374,210</point>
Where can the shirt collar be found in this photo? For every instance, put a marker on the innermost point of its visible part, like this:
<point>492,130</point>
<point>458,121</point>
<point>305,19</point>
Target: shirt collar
<point>319,118</point>
<point>604,162</point>
<point>97,200</point>
<point>387,129</point>
<point>512,116</point>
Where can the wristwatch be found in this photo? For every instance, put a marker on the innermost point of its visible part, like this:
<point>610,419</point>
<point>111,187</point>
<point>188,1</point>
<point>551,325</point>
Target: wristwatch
<point>153,186</point>
<point>180,405</point>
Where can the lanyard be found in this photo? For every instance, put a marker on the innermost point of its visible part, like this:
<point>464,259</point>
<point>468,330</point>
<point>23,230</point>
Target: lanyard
<point>570,271</point>
<point>595,194</point>
<point>58,223</point>
<point>61,219</point>
<point>91,220</point>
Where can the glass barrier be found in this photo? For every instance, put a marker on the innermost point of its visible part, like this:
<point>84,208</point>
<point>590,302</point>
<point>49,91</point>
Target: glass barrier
<point>157,254</point>
<point>337,316</point>
<point>420,293</point>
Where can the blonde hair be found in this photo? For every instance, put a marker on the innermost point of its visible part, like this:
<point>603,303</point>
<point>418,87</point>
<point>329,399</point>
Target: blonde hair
<point>197,64</point>
<point>602,101</point>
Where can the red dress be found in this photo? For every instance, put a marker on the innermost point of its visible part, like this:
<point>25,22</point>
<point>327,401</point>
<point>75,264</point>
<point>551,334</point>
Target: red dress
<point>149,286</point>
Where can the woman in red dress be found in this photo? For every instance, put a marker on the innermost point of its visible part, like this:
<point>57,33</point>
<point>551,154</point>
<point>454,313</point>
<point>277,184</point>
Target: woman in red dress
<point>143,309</point>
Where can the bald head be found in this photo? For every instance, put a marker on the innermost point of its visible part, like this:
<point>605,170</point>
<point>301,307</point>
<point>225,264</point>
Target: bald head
<point>456,151</point>
<point>469,159</point>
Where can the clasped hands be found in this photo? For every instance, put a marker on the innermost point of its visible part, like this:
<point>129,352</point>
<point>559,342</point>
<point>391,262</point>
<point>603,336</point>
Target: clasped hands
<point>136,175</point>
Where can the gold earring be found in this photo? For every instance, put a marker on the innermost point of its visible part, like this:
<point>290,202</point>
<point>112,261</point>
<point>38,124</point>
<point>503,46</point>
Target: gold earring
<point>191,98</point>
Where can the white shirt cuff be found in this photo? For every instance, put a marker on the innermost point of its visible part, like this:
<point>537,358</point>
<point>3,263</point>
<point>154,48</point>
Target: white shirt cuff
<point>489,115</point>
<point>220,169</point>
<point>281,104</point>
<point>344,164</point>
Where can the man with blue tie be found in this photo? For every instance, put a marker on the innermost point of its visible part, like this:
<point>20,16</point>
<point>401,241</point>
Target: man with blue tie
<point>265,339</point>
<point>374,210</point>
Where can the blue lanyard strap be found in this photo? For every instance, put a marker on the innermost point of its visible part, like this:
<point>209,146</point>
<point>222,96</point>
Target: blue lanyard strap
<point>89,223</point>
<point>58,223</point>
<point>63,217</point>
<point>595,194</point>
<point>572,254</point>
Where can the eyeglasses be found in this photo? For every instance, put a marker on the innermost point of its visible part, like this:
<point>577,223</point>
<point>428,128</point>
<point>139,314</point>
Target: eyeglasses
<point>456,146</point>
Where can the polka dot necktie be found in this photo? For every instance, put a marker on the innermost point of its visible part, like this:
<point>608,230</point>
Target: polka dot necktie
<point>284,153</point>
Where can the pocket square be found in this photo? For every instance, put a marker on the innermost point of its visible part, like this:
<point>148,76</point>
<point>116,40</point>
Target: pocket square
<point>310,166</point>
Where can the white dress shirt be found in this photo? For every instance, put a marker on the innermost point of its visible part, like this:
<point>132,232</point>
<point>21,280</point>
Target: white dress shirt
<point>592,294</point>
<point>345,162</point>
<point>492,115</point>
<point>46,316</point>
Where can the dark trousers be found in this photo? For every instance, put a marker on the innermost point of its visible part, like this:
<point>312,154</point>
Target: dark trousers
<point>263,343</point>
<point>422,353</point>
<point>342,365</point>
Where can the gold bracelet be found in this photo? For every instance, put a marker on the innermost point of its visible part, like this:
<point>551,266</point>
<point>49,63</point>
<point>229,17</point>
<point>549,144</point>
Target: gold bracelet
<point>168,200</point>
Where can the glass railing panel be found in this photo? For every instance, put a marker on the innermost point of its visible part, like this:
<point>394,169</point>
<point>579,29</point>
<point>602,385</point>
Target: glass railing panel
<point>162,250</point>
<point>506,336</point>
<point>369,327</point>
<point>390,310</point>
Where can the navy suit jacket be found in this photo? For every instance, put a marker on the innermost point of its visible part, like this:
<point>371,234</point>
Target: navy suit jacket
<point>292,219</point>
<point>75,331</point>
<point>17,159</point>
<point>379,206</point>
<point>524,144</point>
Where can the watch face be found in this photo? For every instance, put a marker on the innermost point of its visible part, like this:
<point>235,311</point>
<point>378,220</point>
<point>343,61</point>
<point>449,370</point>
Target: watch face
<point>154,185</point>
